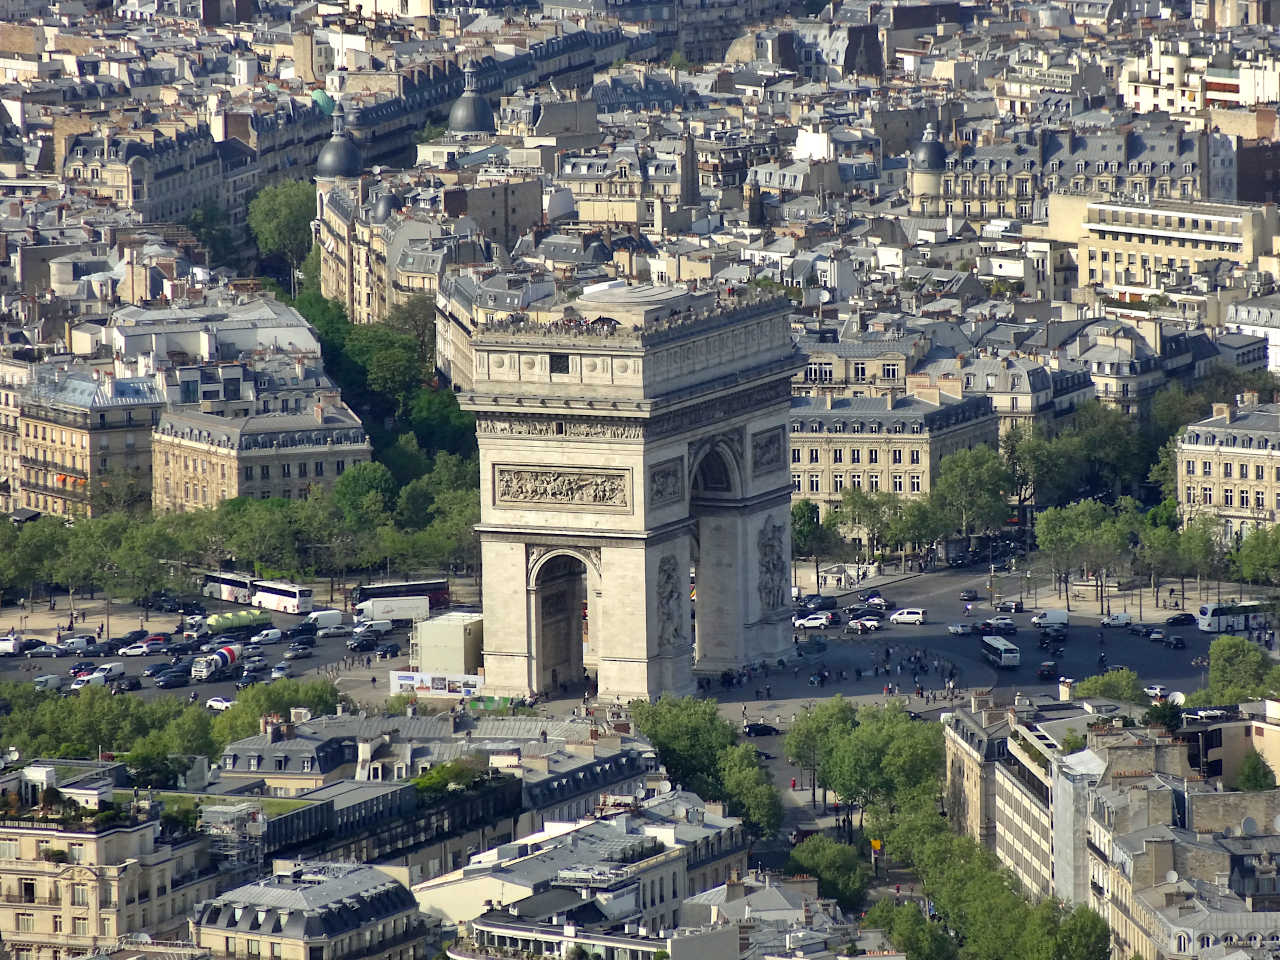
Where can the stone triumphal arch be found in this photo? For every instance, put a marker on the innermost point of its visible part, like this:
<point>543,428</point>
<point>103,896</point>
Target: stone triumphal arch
<point>624,452</point>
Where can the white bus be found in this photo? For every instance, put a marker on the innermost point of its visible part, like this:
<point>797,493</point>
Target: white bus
<point>280,596</point>
<point>1231,617</point>
<point>232,587</point>
<point>1001,652</point>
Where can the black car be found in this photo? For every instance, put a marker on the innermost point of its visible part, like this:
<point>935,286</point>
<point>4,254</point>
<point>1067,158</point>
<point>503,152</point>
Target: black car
<point>818,604</point>
<point>250,678</point>
<point>970,595</point>
<point>173,678</point>
<point>866,595</point>
<point>126,684</point>
<point>97,650</point>
<point>1139,629</point>
<point>81,666</point>
<point>157,668</point>
<point>177,647</point>
<point>362,644</point>
<point>191,608</point>
<point>994,627</point>
<point>1009,606</point>
<point>1176,643</point>
<point>302,640</point>
<point>133,636</point>
<point>304,629</point>
<point>1180,620</point>
<point>1048,670</point>
<point>760,730</point>
<point>388,650</point>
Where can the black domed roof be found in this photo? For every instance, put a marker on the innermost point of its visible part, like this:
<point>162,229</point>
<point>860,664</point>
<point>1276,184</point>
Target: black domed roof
<point>383,206</point>
<point>471,112</point>
<point>340,157</point>
<point>929,154</point>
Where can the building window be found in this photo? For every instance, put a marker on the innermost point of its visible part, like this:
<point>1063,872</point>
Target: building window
<point>815,482</point>
<point>915,457</point>
<point>873,455</point>
<point>837,482</point>
<point>837,455</point>
<point>915,483</point>
<point>795,483</point>
<point>26,922</point>
<point>1228,498</point>
<point>339,467</point>
<point>319,472</point>
<point>873,482</point>
<point>896,456</point>
<point>286,470</point>
<point>79,895</point>
<point>855,455</point>
<point>302,470</point>
<point>1191,468</point>
<point>795,454</point>
<point>264,472</point>
<point>248,473</point>
<point>1206,469</point>
<point>80,926</point>
<point>1226,471</point>
<point>897,483</point>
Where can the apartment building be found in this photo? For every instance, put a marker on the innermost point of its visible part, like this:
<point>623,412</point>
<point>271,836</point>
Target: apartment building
<point>1025,390</point>
<point>14,375</point>
<point>72,885</point>
<point>314,910</point>
<point>86,440</point>
<point>198,460</point>
<point>1131,249</point>
<point>1229,466</point>
<point>892,443</point>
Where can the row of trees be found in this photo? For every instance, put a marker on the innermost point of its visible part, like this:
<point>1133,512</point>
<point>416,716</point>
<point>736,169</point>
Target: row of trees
<point>152,734</point>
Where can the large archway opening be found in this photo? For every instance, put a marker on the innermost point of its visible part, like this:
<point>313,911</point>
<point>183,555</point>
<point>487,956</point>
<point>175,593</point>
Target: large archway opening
<point>715,564</point>
<point>560,624</point>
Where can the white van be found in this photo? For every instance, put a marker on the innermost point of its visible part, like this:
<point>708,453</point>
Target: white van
<point>1116,620</point>
<point>325,618</point>
<point>50,681</point>
<point>75,644</point>
<point>110,671</point>
<point>909,615</point>
<point>1050,618</point>
<point>88,680</point>
<point>375,627</point>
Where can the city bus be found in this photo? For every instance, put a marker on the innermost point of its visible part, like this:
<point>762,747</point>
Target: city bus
<point>437,591</point>
<point>281,596</point>
<point>1231,617</point>
<point>1001,653</point>
<point>232,587</point>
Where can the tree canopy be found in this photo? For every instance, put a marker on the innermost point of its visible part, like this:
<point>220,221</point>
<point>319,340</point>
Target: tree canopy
<point>280,217</point>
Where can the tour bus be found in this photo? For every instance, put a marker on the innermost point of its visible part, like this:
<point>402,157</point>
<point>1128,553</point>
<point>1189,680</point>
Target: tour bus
<point>281,596</point>
<point>437,591</point>
<point>1231,617</point>
<point>232,587</point>
<point>1001,652</point>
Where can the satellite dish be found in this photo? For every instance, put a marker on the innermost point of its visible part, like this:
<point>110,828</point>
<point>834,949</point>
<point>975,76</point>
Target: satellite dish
<point>825,296</point>
<point>664,786</point>
<point>142,937</point>
<point>1177,698</point>
<point>1248,827</point>
<point>1171,876</point>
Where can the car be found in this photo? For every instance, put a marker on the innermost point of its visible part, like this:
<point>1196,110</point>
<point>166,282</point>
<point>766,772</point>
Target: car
<point>47,650</point>
<point>269,635</point>
<point>146,648</point>
<point>365,644</point>
<point>134,636</point>
<point>157,668</point>
<point>340,630</point>
<point>878,603</point>
<point>81,666</point>
<point>865,623</point>
<point>173,678</point>
<point>1157,636</point>
<point>807,599</point>
<point>388,650</point>
<point>191,608</point>
<point>1180,620</point>
<point>157,638</point>
<point>820,603</point>
<point>177,647</point>
<point>1009,606</point>
<point>1055,632</point>
<point>1116,620</point>
<point>281,670</point>
<point>303,628</point>
<point>1156,691</point>
<point>1176,643</point>
<point>303,640</point>
<point>866,595</point>
<point>249,679</point>
<point>914,615</point>
<point>218,704</point>
<point>298,653</point>
<point>970,595</point>
<point>256,662</point>
<point>1001,626</point>
<point>759,730</point>
<point>814,621</point>
<point>97,650</point>
<point>762,755</point>
<point>1139,629</point>
<point>959,629</point>
<point>125,684</point>
<point>1048,670</point>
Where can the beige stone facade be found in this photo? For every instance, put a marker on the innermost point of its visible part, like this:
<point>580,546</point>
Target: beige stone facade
<point>606,453</point>
<point>1229,467</point>
<point>200,460</point>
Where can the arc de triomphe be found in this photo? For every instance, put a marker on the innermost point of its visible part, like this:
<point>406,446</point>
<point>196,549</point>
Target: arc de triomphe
<point>618,451</point>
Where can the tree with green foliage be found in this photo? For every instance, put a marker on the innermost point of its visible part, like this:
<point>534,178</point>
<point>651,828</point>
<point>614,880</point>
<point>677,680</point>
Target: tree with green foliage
<point>841,873</point>
<point>972,489</point>
<point>280,217</point>
<point>1122,685</point>
<point>1238,670</point>
<point>678,61</point>
<point>453,775</point>
<point>749,790</point>
<point>874,512</point>
<point>364,491</point>
<point>689,736</point>
<point>1164,714</point>
<point>886,754</point>
<point>242,718</point>
<point>431,131</point>
<point>416,318</point>
<point>211,226</point>
<point>1255,773</point>
<point>811,736</point>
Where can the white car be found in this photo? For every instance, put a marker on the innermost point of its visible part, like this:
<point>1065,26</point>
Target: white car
<point>219,704</point>
<point>878,603</point>
<point>145,649</point>
<point>909,615</point>
<point>815,621</point>
<point>280,671</point>
<point>269,635</point>
<point>1156,691</point>
<point>867,623</point>
<point>959,629</point>
<point>1002,622</point>
<point>1116,620</point>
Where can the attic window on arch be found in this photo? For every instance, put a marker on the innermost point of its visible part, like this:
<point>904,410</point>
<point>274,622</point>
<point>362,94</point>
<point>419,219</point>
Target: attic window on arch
<point>559,362</point>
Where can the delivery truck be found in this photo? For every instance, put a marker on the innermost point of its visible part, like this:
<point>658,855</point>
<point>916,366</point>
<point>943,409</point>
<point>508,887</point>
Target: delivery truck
<point>219,665</point>
<point>401,611</point>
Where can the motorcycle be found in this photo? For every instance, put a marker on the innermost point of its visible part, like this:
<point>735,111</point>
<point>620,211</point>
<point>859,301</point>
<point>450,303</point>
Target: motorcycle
<point>1058,652</point>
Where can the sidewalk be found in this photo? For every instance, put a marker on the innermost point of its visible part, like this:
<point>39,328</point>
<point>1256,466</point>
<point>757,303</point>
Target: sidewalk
<point>43,622</point>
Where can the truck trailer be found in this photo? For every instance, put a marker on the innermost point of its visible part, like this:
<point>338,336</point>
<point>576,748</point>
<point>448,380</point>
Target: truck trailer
<point>401,611</point>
